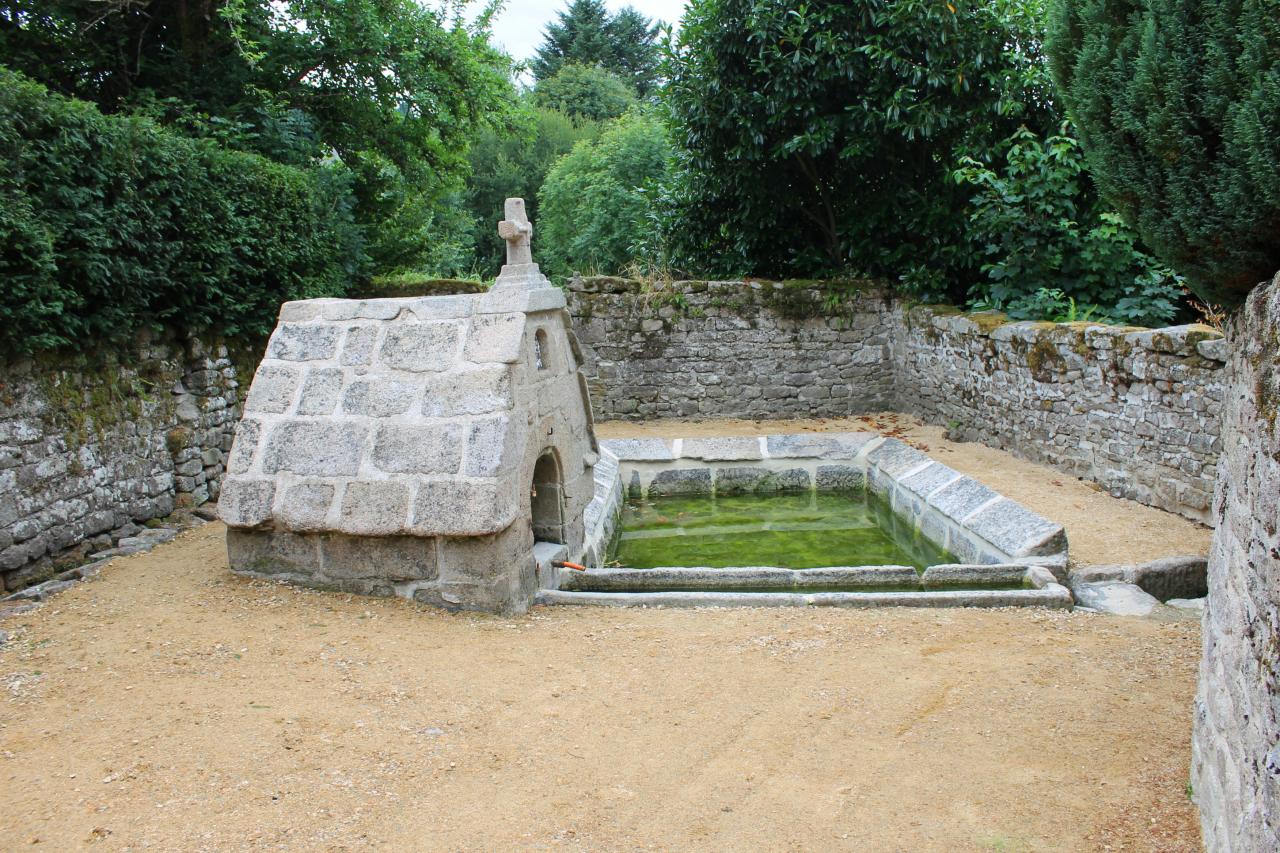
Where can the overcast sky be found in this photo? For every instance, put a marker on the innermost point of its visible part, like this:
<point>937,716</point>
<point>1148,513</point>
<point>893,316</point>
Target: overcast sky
<point>519,26</point>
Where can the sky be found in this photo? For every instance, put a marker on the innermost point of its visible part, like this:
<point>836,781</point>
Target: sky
<point>519,26</point>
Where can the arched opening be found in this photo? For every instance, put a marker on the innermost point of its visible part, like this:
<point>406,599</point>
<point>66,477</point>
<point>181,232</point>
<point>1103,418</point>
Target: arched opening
<point>547,499</point>
<point>541,351</point>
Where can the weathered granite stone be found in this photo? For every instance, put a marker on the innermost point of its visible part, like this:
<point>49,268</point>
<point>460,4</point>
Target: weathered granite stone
<point>681,481</point>
<point>896,458</point>
<point>1115,599</point>
<point>460,508</point>
<point>732,449</point>
<point>374,508</point>
<point>642,449</point>
<point>434,448</point>
<point>320,391</point>
<point>1016,530</point>
<point>273,389</point>
<point>314,448</point>
<point>494,338</point>
<point>1174,577</point>
<point>269,552</point>
<point>737,481</point>
<point>493,443</point>
<point>246,503</point>
<point>305,506</point>
<point>962,498</point>
<point>476,391</point>
<point>245,446</point>
<point>972,576</point>
<point>379,398</point>
<point>816,444</point>
<point>929,480</point>
<point>840,478</point>
<point>420,347</point>
<point>303,342</point>
<point>388,559</point>
<point>357,349</point>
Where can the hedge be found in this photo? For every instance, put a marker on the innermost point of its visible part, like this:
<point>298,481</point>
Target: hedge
<point>109,223</point>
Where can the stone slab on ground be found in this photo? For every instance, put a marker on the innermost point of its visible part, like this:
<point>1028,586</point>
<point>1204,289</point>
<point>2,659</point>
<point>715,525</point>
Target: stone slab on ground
<point>1115,598</point>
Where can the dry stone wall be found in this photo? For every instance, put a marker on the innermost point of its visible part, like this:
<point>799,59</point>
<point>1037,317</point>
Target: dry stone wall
<point>733,349</point>
<point>1236,742</point>
<point>90,448</point>
<point>1133,410</point>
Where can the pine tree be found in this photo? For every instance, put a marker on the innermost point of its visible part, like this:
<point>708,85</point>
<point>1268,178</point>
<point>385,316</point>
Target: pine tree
<point>586,34</point>
<point>1178,106</point>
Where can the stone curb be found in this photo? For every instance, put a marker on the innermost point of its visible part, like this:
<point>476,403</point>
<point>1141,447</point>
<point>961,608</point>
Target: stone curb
<point>1053,596</point>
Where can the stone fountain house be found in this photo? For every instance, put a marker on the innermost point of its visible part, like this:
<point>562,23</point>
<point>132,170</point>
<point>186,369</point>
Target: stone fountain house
<point>417,446</point>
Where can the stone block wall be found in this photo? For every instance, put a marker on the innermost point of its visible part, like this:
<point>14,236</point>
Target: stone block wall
<point>734,349</point>
<point>1236,741</point>
<point>93,446</point>
<point>1133,410</point>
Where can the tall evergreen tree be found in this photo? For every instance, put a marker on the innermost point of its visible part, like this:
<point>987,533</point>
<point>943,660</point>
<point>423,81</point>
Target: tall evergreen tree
<point>587,34</point>
<point>1178,106</point>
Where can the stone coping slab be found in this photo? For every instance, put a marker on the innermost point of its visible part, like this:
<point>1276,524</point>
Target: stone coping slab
<point>746,579</point>
<point>1053,596</point>
<point>969,520</point>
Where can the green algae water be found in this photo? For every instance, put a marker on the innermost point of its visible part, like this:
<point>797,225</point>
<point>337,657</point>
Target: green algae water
<point>792,531</point>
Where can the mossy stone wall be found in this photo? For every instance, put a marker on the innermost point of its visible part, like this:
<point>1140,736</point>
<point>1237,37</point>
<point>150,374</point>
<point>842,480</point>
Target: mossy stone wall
<point>93,444</point>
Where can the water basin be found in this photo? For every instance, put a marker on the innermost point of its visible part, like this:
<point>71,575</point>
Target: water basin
<point>793,531</point>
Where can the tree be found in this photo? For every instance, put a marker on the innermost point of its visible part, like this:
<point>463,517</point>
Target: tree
<point>586,34</point>
<point>596,204</point>
<point>585,92</point>
<point>822,137</point>
<point>1178,105</point>
<point>390,87</point>
<point>515,162</point>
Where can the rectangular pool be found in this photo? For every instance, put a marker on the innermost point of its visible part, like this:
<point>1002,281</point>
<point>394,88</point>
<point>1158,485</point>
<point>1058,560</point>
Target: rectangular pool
<point>794,531</point>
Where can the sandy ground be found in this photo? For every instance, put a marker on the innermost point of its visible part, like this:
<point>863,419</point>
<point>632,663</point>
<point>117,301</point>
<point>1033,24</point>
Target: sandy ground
<point>1100,529</point>
<point>168,705</point>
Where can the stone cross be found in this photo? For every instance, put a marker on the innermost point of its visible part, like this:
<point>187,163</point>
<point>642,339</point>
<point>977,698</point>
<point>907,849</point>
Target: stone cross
<point>518,232</point>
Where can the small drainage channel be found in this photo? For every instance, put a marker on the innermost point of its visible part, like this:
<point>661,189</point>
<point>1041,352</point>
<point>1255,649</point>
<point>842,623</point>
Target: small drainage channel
<point>829,520</point>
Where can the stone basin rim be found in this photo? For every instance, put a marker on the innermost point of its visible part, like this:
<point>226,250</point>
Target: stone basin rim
<point>995,539</point>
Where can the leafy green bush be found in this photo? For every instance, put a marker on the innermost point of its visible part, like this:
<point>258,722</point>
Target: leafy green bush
<point>111,223</point>
<point>597,201</point>
<point>820,137</point>
<point>515,162</point>
<point>1051,249</point>
<point>395,89</point>
<point>1178,105</point>
<point>585,92</point>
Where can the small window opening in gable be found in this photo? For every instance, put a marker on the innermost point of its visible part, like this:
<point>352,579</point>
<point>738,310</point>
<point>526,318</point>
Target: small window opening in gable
<point>541,355</point>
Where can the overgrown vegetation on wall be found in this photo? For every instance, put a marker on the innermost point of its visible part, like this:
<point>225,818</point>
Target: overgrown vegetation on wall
<point>1035,220</point>
<point>111,223</point>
